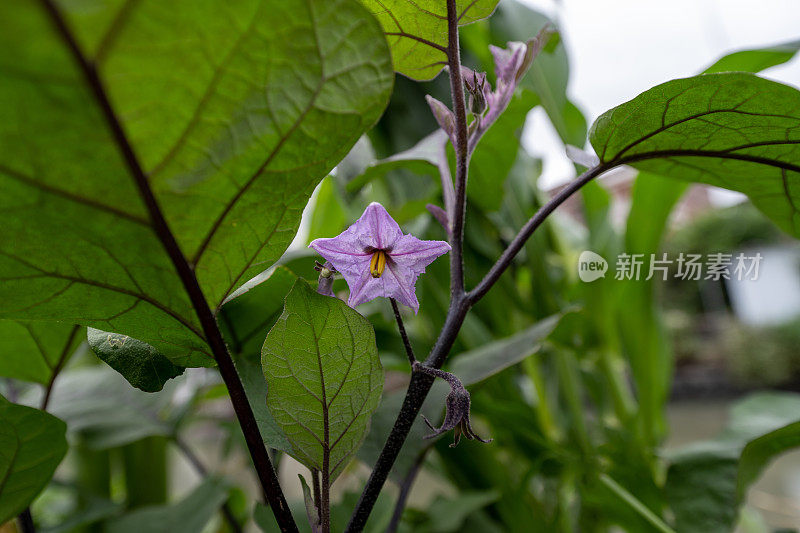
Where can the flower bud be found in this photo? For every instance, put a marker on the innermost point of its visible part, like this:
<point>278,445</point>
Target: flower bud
<point>477,97</point>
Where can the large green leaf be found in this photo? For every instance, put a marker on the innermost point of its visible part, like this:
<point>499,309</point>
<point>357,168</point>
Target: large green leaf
<point>34,351</point>
<point>231,128</point>
<point>652,200</point>
<point>413,26</point>
<point>324,377</point>
<point>736,131</point>
<point>187,516</point>
<point>32,444</point>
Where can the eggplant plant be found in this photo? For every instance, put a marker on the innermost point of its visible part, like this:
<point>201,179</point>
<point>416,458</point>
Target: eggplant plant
<point>157,159</point>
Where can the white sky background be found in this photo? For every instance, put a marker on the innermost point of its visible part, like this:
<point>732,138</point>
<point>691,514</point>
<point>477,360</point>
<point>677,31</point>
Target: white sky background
<point>620,48</point>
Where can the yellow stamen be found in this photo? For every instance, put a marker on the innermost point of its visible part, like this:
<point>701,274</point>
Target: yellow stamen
<point>377,264</point>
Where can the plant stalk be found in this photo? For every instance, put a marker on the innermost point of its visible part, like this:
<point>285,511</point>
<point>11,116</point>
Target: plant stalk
<point>460,302</point>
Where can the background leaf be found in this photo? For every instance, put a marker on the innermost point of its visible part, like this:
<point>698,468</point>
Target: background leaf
<point>138,362</point>
<point>32,444</point>
<point>324,376</point>
<point>403,20</point>
<point>755,60</point>
<point>124,415</point>
<point>708,481</point>
<point>479,364</point>
<point>190,515</point>
<point>232,151</point>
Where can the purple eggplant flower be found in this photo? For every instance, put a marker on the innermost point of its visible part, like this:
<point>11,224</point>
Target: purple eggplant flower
<point>377,259</point>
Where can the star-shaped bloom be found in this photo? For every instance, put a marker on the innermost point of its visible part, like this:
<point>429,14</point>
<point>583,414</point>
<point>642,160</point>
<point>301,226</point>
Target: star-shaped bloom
<point>377,259</point>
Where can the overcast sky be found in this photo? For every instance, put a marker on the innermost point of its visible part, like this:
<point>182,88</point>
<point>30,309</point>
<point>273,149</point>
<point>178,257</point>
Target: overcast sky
<point>619,48</point>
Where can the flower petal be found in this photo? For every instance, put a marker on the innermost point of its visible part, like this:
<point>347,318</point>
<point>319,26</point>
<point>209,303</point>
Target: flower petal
<point>363,288</point>
<point>417,254</point>
<point>399,283</point>
<point>377,228</point>
<point>344,254</point>
<point>507,61</point>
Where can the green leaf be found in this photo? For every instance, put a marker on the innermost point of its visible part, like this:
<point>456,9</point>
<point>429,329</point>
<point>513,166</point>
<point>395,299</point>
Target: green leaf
<point>448,515</point>
<point>735,131</point>
<point>324,377</point>
<point>138,362</point>
<point>755,60</point>
<point>232,130</point>
<point>308,500</point>
<point>34,351</point>
<point>708,481</point>
<point>190,515</point>
<point>32,444</point>
<point>409,23</point>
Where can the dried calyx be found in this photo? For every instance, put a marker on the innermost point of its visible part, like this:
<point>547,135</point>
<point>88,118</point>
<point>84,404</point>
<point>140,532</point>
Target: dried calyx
<point>457,404</point>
